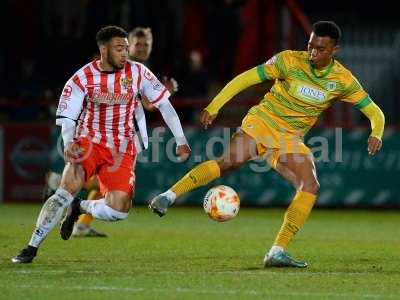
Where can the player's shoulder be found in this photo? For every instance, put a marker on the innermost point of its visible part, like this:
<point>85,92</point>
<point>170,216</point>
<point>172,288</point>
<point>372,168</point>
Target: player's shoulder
<point>293,55</point>
<point>136,64</point>
<point>85,69</point>
<point>346,76</point>
<point>141,68</point>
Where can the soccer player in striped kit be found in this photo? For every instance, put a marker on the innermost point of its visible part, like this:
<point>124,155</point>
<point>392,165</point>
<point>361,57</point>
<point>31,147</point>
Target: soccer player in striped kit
<point>96,111</point>
<point>140,47</point>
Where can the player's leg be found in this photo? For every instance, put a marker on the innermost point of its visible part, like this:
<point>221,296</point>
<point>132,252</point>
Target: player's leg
<point>114,207</point>
<point>300,170</point>
<point>82,227</point>
<point>240,150</point>
<point>116,182</point>
<point>92,186</point>
<point>53,209</point>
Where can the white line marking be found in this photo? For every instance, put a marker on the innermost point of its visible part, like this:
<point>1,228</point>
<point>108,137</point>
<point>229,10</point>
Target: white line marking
<point>261,272</point>
<point>198,291</point>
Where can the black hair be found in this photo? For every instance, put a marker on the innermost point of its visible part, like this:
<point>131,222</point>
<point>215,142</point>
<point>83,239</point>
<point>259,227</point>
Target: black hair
<point>327,28</point>
<point>105,34</point>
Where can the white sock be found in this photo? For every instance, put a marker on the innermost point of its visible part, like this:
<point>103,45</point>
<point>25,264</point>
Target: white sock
<point>275,249</point>
<point>86,205</point>
<point>100,210</point>
<point>50,215</point>
<point>170,195</point>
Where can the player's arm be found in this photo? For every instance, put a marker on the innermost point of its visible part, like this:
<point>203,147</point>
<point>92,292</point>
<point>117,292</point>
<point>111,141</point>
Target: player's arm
<point>356,95</point>
<point>147,104</point>
<point>235,86</point>
<point>272,69</point>
<point>172,86</point>
<point>68,111</point>
<point>377,120</point>
<point>158,95</point>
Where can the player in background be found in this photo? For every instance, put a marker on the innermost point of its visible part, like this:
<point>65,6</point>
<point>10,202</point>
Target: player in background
<point>140,46</point>
<point>96,112</point>
<point>306,83</point>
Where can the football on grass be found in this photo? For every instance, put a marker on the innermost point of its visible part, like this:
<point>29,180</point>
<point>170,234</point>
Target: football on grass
<point>221,203</point>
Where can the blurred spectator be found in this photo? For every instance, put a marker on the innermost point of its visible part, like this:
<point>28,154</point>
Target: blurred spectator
<point>140,45</point>
<point>195,80</point>
<point>194,91</point>
<point>57,34</point>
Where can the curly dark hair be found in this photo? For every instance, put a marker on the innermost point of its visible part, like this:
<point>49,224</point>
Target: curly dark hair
<point>105,34</point>
<point>327,28</point>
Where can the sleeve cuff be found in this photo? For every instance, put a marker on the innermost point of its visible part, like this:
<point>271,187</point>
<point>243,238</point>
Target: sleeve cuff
<point>261,72</point>
<point>363,103</point>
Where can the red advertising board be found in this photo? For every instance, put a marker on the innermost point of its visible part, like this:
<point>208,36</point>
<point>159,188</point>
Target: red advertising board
<point>25,160</point>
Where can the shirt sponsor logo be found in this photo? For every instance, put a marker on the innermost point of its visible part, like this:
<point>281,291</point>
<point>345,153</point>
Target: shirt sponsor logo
<point>311,93</point>
<point>111,98</point>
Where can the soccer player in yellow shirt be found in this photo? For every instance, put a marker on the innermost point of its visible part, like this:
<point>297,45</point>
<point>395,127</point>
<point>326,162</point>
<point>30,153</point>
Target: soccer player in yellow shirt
<point>305,84</point>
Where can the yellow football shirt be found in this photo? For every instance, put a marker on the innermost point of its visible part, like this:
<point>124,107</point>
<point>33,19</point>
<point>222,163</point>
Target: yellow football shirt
<point>301,93</point>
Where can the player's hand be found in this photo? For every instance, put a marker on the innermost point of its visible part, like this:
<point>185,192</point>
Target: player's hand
<point>374,145</point>
<point>72,152</point>
<point>206,119</point>
<point>183,152</point>
<point>171,84</point>
<point>147,104</point>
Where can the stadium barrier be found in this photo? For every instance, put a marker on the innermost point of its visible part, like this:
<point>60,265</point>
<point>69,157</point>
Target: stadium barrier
<point>348,176</point>
<point>25,151</point>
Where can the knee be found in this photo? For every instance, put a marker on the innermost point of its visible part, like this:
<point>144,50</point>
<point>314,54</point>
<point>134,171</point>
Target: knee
<point>228,164</point>
<point>311,186</point>
<point>122,207</point>
<point>119,201</point>
<point>296,183</point>
<point>72,178</point>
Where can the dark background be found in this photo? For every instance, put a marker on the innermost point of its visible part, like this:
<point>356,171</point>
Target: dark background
<point>44,42</point>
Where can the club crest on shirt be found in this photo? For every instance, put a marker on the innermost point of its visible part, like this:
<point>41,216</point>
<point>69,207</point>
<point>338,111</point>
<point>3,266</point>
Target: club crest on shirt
<point>126,82</point>
<point>331,86</point>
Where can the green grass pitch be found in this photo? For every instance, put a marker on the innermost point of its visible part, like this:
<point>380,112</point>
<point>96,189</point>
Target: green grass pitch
<point>185,255</point>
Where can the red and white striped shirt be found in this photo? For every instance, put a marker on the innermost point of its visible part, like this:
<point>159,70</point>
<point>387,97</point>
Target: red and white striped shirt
<point>103,103</point>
